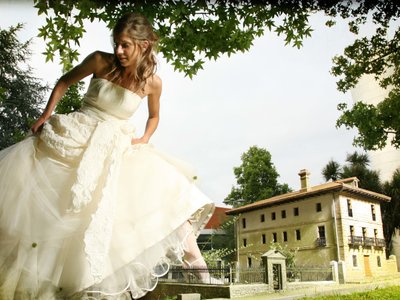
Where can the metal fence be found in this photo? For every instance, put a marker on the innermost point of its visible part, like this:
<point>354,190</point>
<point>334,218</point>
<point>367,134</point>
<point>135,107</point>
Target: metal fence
<point>230,275</point>
<point>203,276</point>
<point>248,275</point>
<point>223,275</point>
<point>309,274</point>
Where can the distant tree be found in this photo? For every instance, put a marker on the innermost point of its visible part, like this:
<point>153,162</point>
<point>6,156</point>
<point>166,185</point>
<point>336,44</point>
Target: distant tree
<point>391,210</point>
<point>21,94</point>
<point>331,171</point>
<point>358,159</point>
<point>357,166</point>
<point>256,179</point>
<point>72,100</point>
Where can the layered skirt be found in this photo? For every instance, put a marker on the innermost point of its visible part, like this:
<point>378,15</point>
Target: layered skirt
<point>85,214</point>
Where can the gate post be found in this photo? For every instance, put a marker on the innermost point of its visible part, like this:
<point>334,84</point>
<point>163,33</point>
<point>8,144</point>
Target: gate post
<point>271,258</point>
<point>342,272</point>
<point>335,275</point>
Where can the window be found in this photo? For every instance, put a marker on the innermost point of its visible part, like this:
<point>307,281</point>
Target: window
<point>285,236</point>
<point>354,260</point>
<point>274,237</point>
<point>319,207</point>
<point>244,223</point>
<point>273,216</point>
<point>244,242</point>
<point>378,261</point>
<point>249,262</point>
<point>298,236</point>
<point>351,230</point>
<point>262,218</point>
<point>373,212</point>
<point>283,214</point>
<point>364,233</point>
<point>264,239</point>
<point>349,208</point>
<point>296,211</point>
<point>321,232</point>
<point>376,233</point>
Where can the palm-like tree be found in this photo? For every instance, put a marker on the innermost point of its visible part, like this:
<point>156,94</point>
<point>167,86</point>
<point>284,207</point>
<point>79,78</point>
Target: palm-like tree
<point>357,166</point>
<point>332,171</point>
<point>360,159</point>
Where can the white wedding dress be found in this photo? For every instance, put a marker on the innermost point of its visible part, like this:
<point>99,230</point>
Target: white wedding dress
<point>84,214</point>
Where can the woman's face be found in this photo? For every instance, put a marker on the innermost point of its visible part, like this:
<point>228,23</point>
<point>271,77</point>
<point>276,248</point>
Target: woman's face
<point>125,50</point>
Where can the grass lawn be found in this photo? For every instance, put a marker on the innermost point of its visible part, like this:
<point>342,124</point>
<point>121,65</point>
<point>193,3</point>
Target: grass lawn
<point>392,292</point>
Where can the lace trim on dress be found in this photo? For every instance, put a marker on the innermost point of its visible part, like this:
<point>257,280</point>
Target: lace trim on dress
<point>66,135</point>
<point>109,140</point>
<point>98,235</point>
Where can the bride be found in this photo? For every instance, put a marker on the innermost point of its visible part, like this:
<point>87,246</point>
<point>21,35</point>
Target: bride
<point>87,208</point>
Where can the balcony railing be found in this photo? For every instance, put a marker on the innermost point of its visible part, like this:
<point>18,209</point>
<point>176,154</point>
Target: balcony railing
<point>366,241</point>
<point>369,242</point>
<point>321,241</point>
<point>355,240</point>
<point>380,242</point>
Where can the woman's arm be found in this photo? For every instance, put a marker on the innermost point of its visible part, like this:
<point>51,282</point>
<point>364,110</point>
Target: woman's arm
<point>155,87</point>
<point>91,64</point>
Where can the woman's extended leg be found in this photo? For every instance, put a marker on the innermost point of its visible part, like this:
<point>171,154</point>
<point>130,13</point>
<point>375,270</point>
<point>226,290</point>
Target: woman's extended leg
<point>193,258</point>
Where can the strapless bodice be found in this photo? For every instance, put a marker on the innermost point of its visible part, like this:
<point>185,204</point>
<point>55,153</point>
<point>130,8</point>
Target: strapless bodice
<point>106,100</point>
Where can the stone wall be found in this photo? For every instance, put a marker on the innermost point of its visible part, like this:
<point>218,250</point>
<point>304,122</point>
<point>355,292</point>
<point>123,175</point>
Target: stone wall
<point>167,289</point>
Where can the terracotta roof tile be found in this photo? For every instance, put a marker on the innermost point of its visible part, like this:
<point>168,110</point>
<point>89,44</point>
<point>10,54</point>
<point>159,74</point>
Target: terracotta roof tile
<point>335,186</point>
<point>218,217</point>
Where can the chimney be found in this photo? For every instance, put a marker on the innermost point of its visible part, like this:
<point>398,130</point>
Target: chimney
<point>305,185</point>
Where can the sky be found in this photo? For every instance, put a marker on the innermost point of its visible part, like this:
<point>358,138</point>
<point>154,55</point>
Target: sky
<point>274,96</point>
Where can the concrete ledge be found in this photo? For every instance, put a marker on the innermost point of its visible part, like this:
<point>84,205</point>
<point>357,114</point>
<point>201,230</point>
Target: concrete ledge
<point>240,290</point>
<point>310,284</point>
<point>192,296</point>
<point>169,289</point>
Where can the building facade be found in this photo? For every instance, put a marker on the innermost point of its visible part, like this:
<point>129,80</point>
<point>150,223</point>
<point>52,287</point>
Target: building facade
<point>335,221</point>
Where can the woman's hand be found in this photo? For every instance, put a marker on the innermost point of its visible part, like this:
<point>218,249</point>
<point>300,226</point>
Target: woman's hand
<point>141,140</point>
<point>38,124</point>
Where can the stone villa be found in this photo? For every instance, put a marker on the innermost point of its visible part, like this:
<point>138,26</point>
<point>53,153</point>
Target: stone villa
<point>334,221</point>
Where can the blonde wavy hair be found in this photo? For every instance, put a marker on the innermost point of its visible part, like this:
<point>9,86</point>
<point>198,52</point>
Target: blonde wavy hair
<point>139,29</point>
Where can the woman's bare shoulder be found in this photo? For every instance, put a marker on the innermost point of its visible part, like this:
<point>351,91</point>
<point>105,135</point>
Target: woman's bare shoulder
<point>102,56</point>
<point>154,83</point>
<point>153,86</point>
<point>104,62</point>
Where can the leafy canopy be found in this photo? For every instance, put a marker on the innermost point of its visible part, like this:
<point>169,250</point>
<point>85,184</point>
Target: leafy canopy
<point>192,31</point>
<point>379,56</point>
